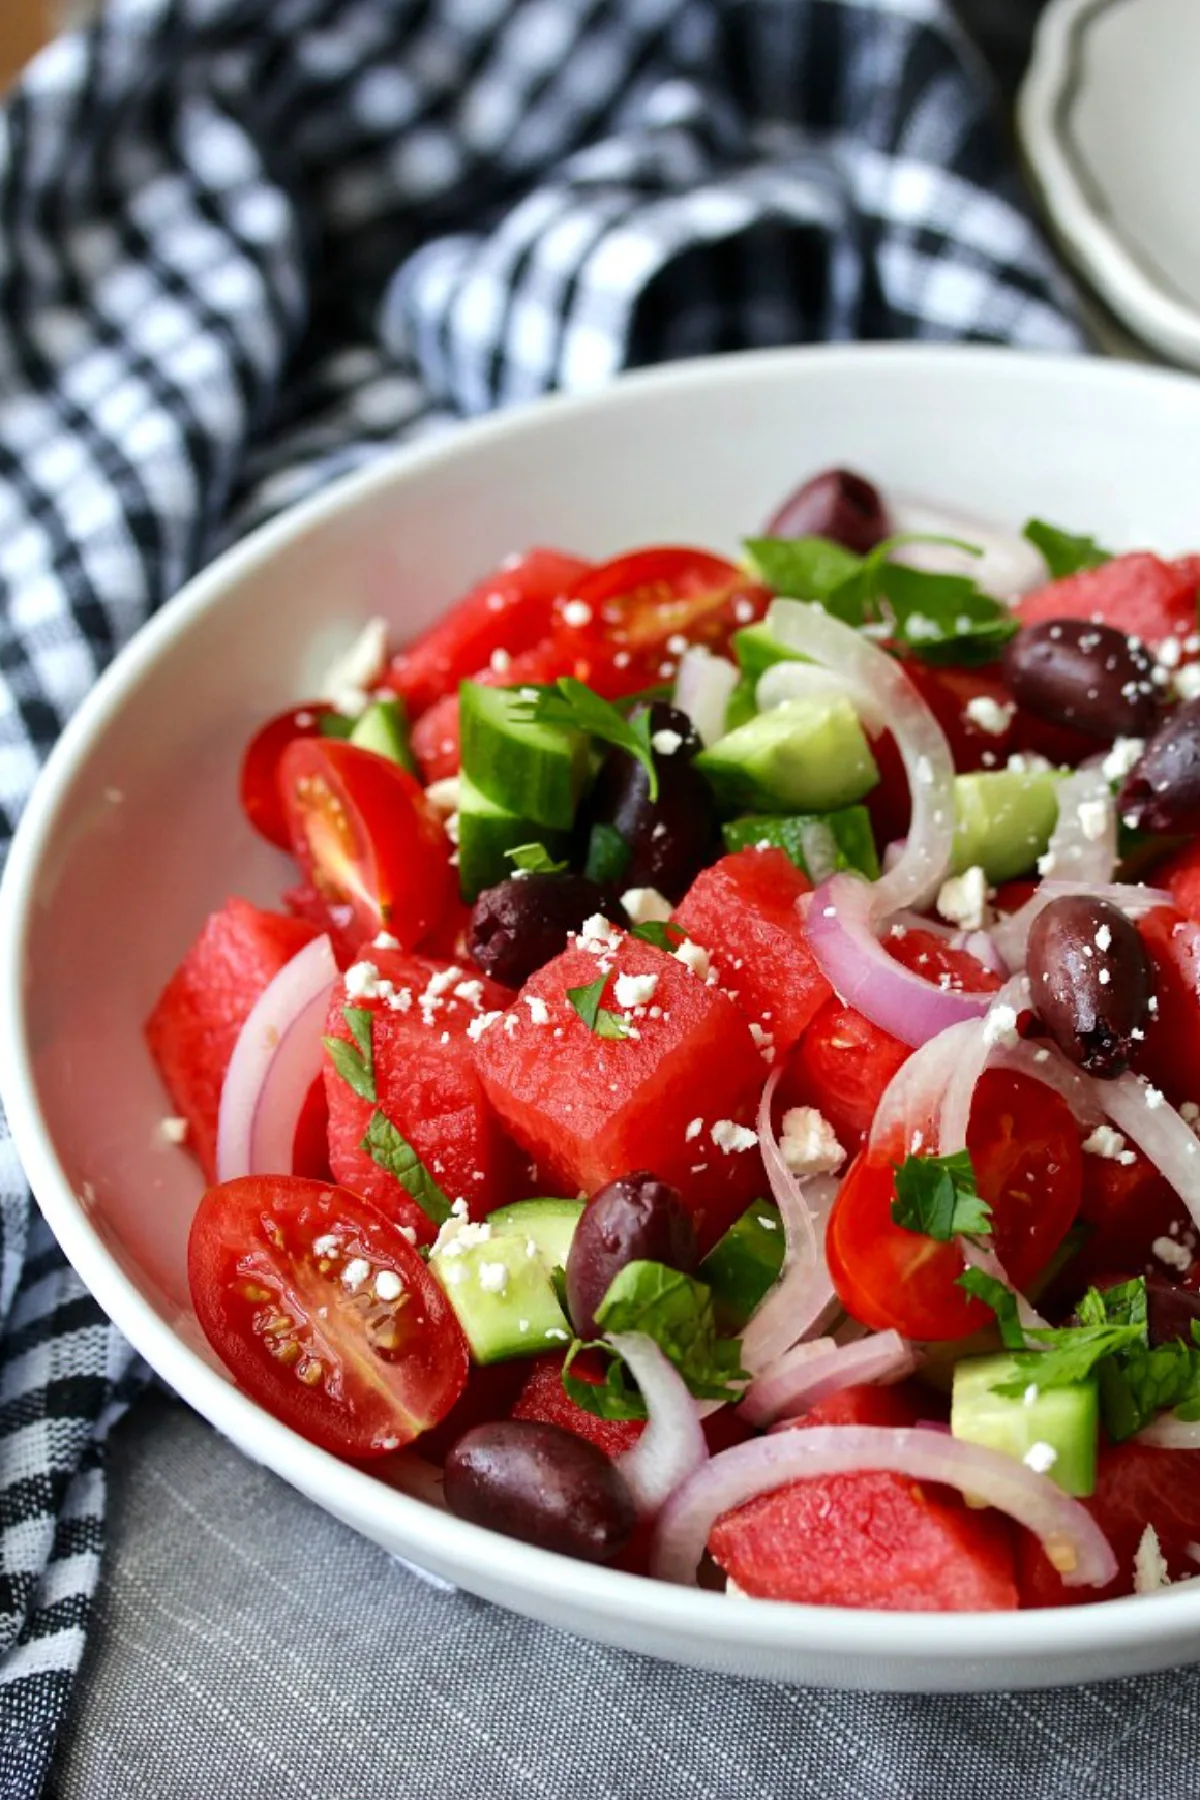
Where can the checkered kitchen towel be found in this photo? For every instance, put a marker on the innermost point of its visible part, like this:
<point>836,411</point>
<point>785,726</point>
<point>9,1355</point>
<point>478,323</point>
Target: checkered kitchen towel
<point>245,244</point>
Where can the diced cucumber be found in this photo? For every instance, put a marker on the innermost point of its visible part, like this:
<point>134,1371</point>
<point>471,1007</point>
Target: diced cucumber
<point>757,649</point>
<point>486,833</point>
<point>502,1294</point>
<point>744,1264</point>
<point>383,727</point>
<point>534,771</point>
<point>819,843</point>
<point>742,705</point>
<point>806,755</point>
<point>550,1224</point>
<point>1054,1429</point>
<point>1004,820</point>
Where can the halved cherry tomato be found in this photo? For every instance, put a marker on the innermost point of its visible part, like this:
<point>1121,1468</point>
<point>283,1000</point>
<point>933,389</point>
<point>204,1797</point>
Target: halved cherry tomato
<point>324,1313</point>
<point>258,783</point>
<point>1024,1146</point>
<point>367,841</point>
<point>1170,1052</point>
<point>509,611</point>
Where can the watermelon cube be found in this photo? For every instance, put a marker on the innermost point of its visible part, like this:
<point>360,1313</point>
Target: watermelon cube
<point>743,910</point>
<point>200,1012</point>
<point>426,1085</point>
<point>1138,593</point>
<point>677,1095</point>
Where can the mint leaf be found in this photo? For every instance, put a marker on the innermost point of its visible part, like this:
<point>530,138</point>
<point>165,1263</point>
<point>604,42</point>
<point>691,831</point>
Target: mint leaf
<point>664,934</point>
<point>608,855</point>
<point>534,859</point>
<point>385,1146</point>
<point>938,1197</point>
<point>807,568</point>
<point>1002,1301</point>
<point>613,1398</point>
<point>355,1062</point>
<point>571,703</point>
<point>1062,553</point>
<point>586,1001</point>
<point>677,1312</point>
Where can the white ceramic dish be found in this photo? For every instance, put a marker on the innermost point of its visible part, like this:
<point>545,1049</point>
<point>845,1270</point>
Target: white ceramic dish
<point>134,833</point>
<point>1111,134</point>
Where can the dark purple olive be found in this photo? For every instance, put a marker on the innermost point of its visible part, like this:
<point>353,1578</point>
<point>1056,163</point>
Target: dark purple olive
<point>637,1218</point>
<point>542,1484</point>
<point>523,922</point>
<point>1162,790</point>
<point>1171,1310</point>
<point>1089,976</point>
<point>835,504</point>
<point>1089,676</point>
<point>670,839</point>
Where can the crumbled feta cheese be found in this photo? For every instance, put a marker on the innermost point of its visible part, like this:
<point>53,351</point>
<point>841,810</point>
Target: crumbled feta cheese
<point>962,899</point>
<point>557,1332</point>
<point>644,905</point>
<point>1121,758</point>
<point>363,982</point>
<point>1109,1145</point>
<point>1000,1026</point>
<point>384,940</point>
<point>694,1128</point>
<point>1149,1564</point>
<point>1040,1457</point>
<point>355,1272</point>
<point>1176,1256</point>
<point>992,716</point>
<point>443,796</point>
<point>577,613</point>
<point>348,679</point>
<point>1186,684</point>
<point>499,662</point>
<point>694,957</point>
<point>388,1285</point>
<point>1103,937</point>
<point>173,1130</point>
<point>327,1245</point>
<point>666,741</point>
<point>451,827</point>
<point>634,990</point>
<point>763,1039</point>
<point>809,1143</point>
<point>1029,1397</point>
<point>728,1136</point>
<point>1154,1098</point>
<point>1169,652</point>
<point>470,991</point>
<point>1028,762</point>
<point>539,1012</point>
<point>1093,818</point>
<point>493,1277</point>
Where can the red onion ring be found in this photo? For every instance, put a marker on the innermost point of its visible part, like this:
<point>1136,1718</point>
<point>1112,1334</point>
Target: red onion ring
<point>1009,564</point>
<point>784,681</point>
<point>703,685</point>
<point>673,1446</point>
<point>809,1372</point>
<point>275,1061</point>
<point>955,1113</point>
<point>1045,1062</point>
<point>1169,1433</point>
<point>1158,1131</point>
<point>1069,1535</point>
<point>881,687</point>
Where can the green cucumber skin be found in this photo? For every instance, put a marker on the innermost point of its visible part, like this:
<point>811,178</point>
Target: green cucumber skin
<point>853,837</point>
<point>1005,818</point>
<point>535,771</point>
<point>804,756</point>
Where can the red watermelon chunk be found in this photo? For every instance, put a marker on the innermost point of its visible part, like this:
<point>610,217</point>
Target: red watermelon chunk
<point>868,1540</point>
<point>1139,593</point>
<point>200,1012</point>
<point>743,910</point>
<point>426,1085</point>
<point>544,1398</point>
<point>590,1108</point>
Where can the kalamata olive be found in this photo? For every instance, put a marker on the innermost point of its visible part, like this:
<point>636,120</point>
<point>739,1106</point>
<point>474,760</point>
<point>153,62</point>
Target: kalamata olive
<point>634,1219</point>
<point>1090,981</point>
<point>542,1484</point>
<point>1162,790</point>
<point>835,504</point>
<point>672,838</point>
<point>523,922</point>
<point>1171,1310</point>
<point>1088,676</point>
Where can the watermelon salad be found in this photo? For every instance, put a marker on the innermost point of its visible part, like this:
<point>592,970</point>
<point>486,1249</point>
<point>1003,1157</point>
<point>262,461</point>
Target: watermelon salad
<point>719,1092</point>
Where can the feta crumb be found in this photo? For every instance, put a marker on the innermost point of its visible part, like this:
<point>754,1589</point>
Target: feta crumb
<point>992,716</point>
<point>694,1128</point>
<point>173,1130</point>
<point>1121,758</point>
<point>327,1245</point>
<point>1000,1026</point>
<point>1103,937</point>
<point>1029,1397</point>
<point>644,905</point>
<point>539,1012</point>
<point>385,941</point>
<point>388,1285</point>
<point>480,1024</point>
<point>1040,1457</point>
<point>493,1277</point>
<point>355,1272</point>
<point>1154,1098</point>
<point>577,613</point>
<point>363,981</point>
<point>470,991</point>
<point>809,1143</point>
<point>1169,652</point>
<point>499,662</point>
<point>1109,1145</point>
<point>728,1136</point>
<point>348,679</point>
<point>557,1332</point>
<point>666,741</point>
<point>1175,1256</point>
<point>962,899</point>
<point>634,990</point>
<point>408,1233</point>
<point>1149,1564</point>
<point>1186,684</point>
<point>443,796</point>
<point>763,1039</point>
<point>693,957</point>
<point>1093,818</point>
<point>1028,762</point>
<point>767,1224</point>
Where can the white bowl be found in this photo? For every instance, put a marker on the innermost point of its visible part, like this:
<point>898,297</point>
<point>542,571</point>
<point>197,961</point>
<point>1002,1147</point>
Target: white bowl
<point>134,834</point>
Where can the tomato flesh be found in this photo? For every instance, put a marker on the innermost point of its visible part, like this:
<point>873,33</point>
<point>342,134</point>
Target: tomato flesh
<point>324,1313</point>
<point>258,781</point>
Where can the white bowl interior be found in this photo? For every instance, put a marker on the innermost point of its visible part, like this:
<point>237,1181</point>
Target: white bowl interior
<point>135,834</point>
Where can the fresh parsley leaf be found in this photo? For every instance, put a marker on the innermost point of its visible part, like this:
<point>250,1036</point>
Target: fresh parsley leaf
<point>571,703</point>
<point>1123,1304</point>
<point>1071,1354</point>
<point>1002,1301</point>
<point>807,568</point>
<point>534,859</point>
<point>586,1001</point>
<point>1064,554</point>
<point>612,1398</point>
<point>608,855</point>
<point>355,1062</point>
<point>677,1312</point>
<point>385,1146</point>
<point>664,934</point>
<point>332,724</point>
<point>938,1197</point>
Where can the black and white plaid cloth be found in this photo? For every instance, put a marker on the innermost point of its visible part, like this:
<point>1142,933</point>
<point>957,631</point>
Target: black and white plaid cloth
<point>245,244</point>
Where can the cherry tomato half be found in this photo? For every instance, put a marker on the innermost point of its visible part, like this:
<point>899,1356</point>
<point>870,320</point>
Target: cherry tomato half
<point>324,1313</point>
<point>258,783</point>
<point>366,840</point>
<point>1024,1145</point>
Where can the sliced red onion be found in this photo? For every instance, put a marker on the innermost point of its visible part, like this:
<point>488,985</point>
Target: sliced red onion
<point>1069,1535</point>
<point>907,1116</point>
<point>275,1061</point>
<point>673,1446</point>
<point>1146,1118</point>
<point>785,681</point>
<point>1169,1433</point>
<point>1044,1062</point>
<point>839,923</point>
<point>1009,564</point>
<point>1011,935</point>
<point>882,688</point>
<point>997,1028</point>
<point>703,685</point>
<point>981,945</point>
<point>810,1372</point>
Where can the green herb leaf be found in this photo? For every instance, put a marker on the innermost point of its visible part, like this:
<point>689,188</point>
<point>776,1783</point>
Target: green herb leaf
<point>1071,1355</point>
<point>385,1146</point>
<point>1064,554</point>
<point>355,1062</point>
<point>1002,1301</point>
<point>335,724</point>
<point>938,1197</point>
<point>677,1312</point>
<point>569,702</point>
<point>586,1001</point>
<point>534,859</point>
<point>664,934</point>
<point>613,1398</point>
<point>608,855</point>
<point>807,568</point>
